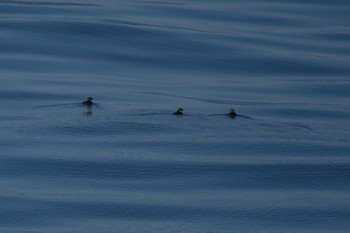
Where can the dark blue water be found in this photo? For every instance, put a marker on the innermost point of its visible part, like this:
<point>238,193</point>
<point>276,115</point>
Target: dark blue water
<point>127,164</point>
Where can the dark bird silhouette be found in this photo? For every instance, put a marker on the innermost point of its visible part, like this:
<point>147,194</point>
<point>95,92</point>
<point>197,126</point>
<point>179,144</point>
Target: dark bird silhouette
<point>232,113</point>
<point>88,102</point>
<point>179,111</point>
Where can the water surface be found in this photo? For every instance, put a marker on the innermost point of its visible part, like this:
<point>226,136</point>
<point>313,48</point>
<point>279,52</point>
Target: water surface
<point>127,164</point>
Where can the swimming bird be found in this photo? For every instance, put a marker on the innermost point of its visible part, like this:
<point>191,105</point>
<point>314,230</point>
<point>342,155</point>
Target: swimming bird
<point>88,102</point>
<point>179,111</point>
<point>232,113</point>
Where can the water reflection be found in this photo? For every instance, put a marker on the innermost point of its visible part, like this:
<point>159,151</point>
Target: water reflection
<point>88,112</point>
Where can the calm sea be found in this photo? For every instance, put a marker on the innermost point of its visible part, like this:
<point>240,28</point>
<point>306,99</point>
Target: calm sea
<point>127,164</point>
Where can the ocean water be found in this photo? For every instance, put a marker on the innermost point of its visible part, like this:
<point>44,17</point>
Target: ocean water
<point>127,164</point>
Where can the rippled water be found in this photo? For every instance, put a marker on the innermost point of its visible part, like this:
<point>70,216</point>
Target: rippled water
<point>127,164</point>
